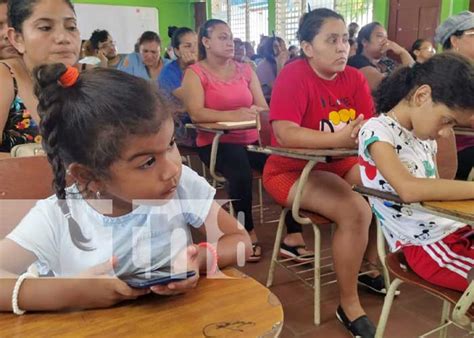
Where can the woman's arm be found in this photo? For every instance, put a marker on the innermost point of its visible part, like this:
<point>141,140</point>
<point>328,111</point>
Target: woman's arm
<point>414,189</point>
<point>291,135</point>
<point>373,76</point>
<point>6,97</point>
<point>257,93</point>
<point>194,102</point>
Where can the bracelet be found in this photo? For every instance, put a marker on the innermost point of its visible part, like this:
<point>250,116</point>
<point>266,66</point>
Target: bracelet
<point>213,252</point>
<point>16,290</point>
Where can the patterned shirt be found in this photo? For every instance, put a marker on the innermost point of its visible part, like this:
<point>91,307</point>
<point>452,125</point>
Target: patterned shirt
<point>401,225</point>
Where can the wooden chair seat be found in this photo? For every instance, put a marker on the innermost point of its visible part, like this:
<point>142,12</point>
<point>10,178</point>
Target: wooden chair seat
<point>316,218</point>
<point>398,266</point>
<point>23,181</point>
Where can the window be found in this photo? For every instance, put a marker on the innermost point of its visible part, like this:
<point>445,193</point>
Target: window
<point>288,13</point>
<point>248,19</point>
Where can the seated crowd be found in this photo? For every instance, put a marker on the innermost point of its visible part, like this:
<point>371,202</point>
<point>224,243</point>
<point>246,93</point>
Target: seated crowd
<point>111,125</point>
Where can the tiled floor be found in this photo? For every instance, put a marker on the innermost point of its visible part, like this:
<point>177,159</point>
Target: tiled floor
<point>414,312</point>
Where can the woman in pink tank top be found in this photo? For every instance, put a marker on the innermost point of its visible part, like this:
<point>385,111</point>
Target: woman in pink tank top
<point>220,89</point>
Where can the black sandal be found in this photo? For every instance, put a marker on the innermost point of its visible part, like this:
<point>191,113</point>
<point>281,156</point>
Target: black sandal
<point>360,327</point>
<point>256,253</point>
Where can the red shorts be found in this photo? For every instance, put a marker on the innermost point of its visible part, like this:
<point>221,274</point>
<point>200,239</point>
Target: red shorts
<point>281,173</point>
<point>445,263</point>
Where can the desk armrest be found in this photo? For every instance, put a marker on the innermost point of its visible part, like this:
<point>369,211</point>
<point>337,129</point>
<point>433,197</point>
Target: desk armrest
<point>378,194</point>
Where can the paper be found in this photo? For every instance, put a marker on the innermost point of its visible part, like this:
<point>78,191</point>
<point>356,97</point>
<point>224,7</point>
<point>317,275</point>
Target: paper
<point>239,123</point>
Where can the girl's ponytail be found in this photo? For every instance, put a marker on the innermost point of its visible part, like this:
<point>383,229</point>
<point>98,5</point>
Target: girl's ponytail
<point>51,95</point>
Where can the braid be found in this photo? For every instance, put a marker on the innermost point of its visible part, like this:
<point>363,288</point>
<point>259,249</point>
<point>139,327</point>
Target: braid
<point>50,105</point>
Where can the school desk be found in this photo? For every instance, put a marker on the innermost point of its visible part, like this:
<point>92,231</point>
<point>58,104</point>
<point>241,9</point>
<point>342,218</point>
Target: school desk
<point>219,129</point>
<point>233,307</point>
<point>464,131</point>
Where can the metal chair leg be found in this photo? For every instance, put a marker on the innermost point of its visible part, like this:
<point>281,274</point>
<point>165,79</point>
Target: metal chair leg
<point>317,275</point>
<point>445,319</point>
<point>260,199</point>
<point>387,305</point>
<point>276,247</point>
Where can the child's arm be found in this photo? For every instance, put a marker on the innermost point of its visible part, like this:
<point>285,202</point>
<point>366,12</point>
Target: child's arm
<point>231,239</point>
<point>224,229</point>
<point>413,189</point>
<point>49,294</point>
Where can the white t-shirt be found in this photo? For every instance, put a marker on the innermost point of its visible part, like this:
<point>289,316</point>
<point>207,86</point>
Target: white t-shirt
<point>142,240</point>
<point>401,225</point>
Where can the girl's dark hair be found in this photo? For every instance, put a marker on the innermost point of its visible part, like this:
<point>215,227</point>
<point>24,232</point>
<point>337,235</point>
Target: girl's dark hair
<point>204,32</point>
<point>20,10</point>
<point>447,45</point>
<point>364,35</point>
<point>149,36</point>
<point>311,23</point>
<point>178,34</point>
<point>450,76</point>
<point>89,122</point>
<point>416,46</point>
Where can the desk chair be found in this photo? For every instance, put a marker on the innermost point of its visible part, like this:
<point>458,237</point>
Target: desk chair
<point>23,180</point>
<point>395,264</point>
<point>212,165</point>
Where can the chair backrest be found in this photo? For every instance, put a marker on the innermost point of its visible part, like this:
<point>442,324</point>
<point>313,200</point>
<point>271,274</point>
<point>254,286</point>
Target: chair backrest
<point>23,181</point>
<point>447,158</point>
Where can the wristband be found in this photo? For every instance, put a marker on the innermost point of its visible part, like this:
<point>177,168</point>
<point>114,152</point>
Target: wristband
<point>16,291</point>
<point>210,248</point>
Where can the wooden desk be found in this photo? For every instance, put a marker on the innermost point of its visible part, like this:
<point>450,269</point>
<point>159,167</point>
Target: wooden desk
<point>219,129</point>
<point>217,308</point>
<point>464,131</point>
<point>461,211</point>
<point>4,155</point>
<point>313,156</point>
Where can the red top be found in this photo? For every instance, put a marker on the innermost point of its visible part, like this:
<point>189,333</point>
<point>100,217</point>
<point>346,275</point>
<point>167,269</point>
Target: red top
<point>226,95</point>
<point>301,96</point>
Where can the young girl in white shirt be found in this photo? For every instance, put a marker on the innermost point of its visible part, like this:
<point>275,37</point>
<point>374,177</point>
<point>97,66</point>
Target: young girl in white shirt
<point>397,152</point>
<point>129,208</point>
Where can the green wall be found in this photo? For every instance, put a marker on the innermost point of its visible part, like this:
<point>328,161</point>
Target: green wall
<point>171,12</point>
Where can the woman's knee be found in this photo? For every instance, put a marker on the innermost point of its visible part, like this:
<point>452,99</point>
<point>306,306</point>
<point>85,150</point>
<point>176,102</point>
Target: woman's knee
<point>355,214</point>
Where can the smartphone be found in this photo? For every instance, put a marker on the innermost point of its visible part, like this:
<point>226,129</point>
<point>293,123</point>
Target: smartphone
<point>158,277</point>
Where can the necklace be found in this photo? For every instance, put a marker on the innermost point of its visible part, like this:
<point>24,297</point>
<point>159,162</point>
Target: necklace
<point>391,114</point>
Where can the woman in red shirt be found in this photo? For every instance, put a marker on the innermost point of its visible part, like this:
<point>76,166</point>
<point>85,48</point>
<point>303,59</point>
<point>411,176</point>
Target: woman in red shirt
<point>318,102</point>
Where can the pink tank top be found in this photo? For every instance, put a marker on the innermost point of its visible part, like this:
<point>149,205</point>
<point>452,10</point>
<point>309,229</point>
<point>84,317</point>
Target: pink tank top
<point>226,95</point>
<point>463,142</point>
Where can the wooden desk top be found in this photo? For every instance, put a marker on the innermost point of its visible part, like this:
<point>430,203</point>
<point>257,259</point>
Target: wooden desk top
<point>462,211</point>
<point>217,308</point>
<point>304,153</point>
<point>4,155</point>
<point>224,126</point>
<point>464,131</point>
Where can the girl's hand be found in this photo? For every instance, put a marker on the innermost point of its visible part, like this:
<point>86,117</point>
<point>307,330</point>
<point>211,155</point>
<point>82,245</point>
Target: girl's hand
<point>187,260</point>
<point>349,134</point>
<point>96,288</point>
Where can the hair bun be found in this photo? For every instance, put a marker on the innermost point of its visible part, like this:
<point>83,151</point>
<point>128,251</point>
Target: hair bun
<point>171,30</point>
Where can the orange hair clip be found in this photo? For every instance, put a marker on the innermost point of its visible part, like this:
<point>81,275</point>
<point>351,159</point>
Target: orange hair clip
<point>69,78</point>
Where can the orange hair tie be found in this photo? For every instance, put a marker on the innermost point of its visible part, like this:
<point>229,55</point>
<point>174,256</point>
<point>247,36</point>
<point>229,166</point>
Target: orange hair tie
<point>69,78</point>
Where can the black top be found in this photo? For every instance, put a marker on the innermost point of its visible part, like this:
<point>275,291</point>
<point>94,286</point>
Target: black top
<point>359,61</point>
